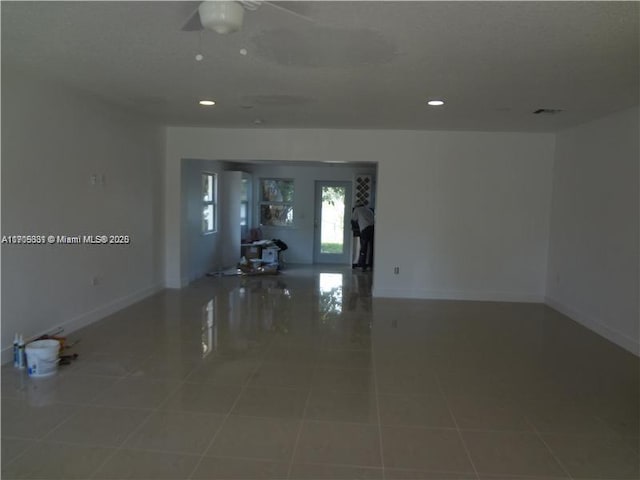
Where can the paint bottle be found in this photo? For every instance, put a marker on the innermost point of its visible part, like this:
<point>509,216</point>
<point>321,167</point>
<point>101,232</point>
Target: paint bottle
<point>15,351</point>
<point>21,352</point>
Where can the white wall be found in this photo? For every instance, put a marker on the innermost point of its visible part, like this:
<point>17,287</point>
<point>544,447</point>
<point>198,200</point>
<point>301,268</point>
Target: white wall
<point>201,253</point>
<point>463,214</point>
<point>594,239</point>
<point>230,198</point>
<point>204,253</point>
<point>53,140</point>
<point>300,237</point>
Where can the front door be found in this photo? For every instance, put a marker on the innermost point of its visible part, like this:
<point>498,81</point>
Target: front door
<point>332,223</point>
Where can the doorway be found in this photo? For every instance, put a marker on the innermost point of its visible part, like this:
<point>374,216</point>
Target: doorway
<point>332,226</point>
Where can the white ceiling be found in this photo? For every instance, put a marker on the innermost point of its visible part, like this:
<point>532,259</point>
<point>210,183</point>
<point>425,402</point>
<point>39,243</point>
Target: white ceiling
<point>360,65</point>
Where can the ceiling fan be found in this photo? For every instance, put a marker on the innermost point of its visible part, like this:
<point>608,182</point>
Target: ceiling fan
<point>226,16</point>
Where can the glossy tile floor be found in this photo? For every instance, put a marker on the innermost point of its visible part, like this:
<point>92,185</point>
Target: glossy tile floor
<point>303,375</point>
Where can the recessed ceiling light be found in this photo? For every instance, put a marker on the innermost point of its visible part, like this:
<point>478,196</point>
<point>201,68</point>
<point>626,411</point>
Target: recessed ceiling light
<point>435,103</point>
<point>207,103</point>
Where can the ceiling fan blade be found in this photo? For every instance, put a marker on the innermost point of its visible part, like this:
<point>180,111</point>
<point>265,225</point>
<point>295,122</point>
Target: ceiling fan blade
<point>293,8</point>
<point>193,24</point>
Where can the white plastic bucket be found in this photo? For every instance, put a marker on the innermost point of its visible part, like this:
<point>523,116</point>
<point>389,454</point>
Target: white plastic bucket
<point>42,357</point>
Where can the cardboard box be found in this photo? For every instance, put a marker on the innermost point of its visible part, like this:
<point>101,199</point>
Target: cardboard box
<point>253,252</point>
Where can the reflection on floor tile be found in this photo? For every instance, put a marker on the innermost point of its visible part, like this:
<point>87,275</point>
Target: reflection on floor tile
<point>62,388</point>
<point>288,376</point>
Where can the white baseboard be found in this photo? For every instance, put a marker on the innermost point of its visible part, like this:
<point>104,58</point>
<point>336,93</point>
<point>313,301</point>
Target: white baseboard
<point>458,295</point>
<point>92,316</point>
<point>596,325</point>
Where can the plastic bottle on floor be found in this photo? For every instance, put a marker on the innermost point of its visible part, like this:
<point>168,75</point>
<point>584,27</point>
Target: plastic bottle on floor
<point>21,352</point>
<point>15,351</point>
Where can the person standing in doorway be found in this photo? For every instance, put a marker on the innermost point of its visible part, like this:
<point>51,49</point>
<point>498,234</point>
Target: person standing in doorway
<point>355,251</point>
<point>365,219</point>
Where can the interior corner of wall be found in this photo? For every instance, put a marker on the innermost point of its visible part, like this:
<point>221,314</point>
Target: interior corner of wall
<point>595,325</point>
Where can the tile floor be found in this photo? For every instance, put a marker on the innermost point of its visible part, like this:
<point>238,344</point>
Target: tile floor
<point>305,376</point>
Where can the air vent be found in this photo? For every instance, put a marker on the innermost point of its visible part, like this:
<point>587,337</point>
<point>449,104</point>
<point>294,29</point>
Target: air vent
<point>363,190</point>
<point>547,111</point>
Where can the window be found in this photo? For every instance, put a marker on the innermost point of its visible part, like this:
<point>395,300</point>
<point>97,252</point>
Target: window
<point>209,198</point>
<point>244,203</point>
<point>246,214</point>
<point>276,202</point>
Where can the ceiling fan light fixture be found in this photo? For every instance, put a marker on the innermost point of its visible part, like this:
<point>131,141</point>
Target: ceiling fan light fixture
<point>221,17</point>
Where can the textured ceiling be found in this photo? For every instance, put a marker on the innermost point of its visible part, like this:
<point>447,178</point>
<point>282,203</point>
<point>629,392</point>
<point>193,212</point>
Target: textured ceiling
<point>358,65</point>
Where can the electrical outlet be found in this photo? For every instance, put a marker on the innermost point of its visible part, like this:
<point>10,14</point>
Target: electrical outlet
<point>396,270</point>
<point>93,179</point>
